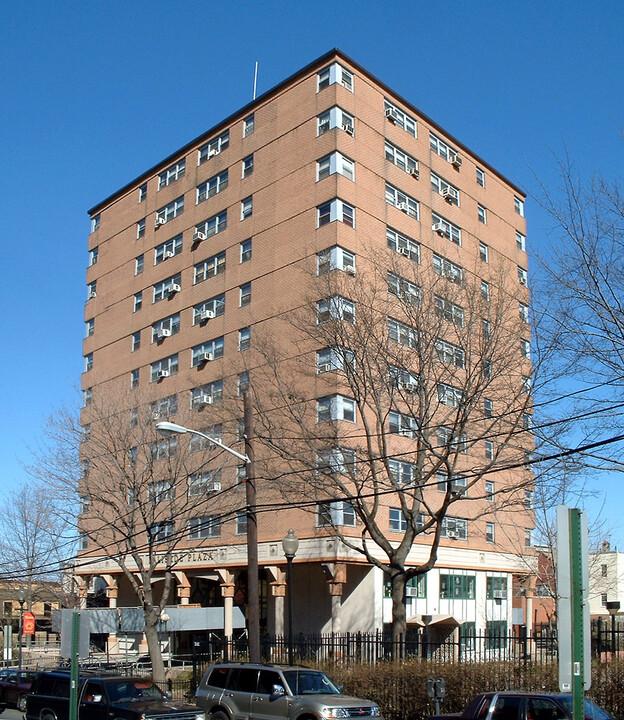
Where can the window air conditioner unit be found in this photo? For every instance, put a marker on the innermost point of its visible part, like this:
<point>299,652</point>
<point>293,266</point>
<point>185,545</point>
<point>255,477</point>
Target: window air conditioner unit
<point>498,594</point>
<point>205,315</point>
<point>348,128</point>
<point>198,236</point>
<point>92,295</point>
<point>449,194</point>
<point>169,254</point>
<point>405,251</point>
<point>411,591</point>
<point>325,367</point>
<point>409,387</point>
<point>414,172</point>
<point>403,206</point>
<point>452,534</point>
<point>159,221</point>
<point>405,432</point>
<point>440,228</point>
<point>163,374</point>
<point>173,289</point>
<point>392,114</point>
<point>204,399</point>
<point>213,153</point>
<point>163,333</point>
<point>349,269</point>
<point>455,159</point>
<point>206,357</point>
<point>323,128</point>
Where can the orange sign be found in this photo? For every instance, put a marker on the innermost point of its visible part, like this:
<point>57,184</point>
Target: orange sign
<point>28,624</point>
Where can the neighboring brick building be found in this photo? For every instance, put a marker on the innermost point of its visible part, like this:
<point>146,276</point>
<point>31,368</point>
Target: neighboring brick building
<point>205,253</point>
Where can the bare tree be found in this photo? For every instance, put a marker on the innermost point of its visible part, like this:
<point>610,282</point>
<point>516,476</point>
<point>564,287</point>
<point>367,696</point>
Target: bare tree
<point>401,388</point>
<point>136,495</point>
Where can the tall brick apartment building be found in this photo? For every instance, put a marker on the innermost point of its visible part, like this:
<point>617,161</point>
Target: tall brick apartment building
<point>333,196</point>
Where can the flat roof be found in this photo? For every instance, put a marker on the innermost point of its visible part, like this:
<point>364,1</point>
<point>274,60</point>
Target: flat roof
<point>333,54</point>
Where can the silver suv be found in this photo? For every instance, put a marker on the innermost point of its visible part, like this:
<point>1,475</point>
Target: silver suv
<point>231,691</point>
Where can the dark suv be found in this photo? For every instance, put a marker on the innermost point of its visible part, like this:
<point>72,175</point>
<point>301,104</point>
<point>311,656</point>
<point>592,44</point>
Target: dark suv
<point>104,697</point>
<point>229,691</point>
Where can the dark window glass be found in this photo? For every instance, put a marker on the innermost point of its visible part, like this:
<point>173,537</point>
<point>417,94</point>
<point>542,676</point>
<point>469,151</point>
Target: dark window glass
<point>243,680</point>
<point>267,679</point>
<point>218,677</point>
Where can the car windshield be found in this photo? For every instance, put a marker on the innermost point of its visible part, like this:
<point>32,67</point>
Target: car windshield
<point>592,712</point>
<point>309,682</point>
<point>128,690</point>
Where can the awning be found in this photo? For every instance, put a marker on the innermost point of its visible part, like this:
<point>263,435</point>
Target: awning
<point>434,620</point>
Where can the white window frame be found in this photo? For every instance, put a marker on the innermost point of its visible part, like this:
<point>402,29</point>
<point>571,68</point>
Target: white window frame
<point>484,252</point>
<point>93,256</point>
<point>485,290</point>
<point>171,323</point>
<point>164,407</point>
<point>403,334</point>
<point>212,390</point>
<point>449,230</point>
<point>244,339</point>
<point>441,148</point>
<point>397,117</point>
<point>249,125</point>
<point>213,186</point>
<point>480,177</point>
<point>139,264</point>
<point>523,276</point>
<point>520,241</point>
<point>335,307</point>
<point>162,289</point>
<point>403,288</point>
<point>523,310</point>
<point>247,166</point>
<point>449,395</point>
<point>337,513</point>
<point>401,159</point>
<point>334,74</point>
<point>214,346</point>
<point>525,349</point>
<point>334,358</point>
<point>160,491</point>
<point>213,148</point>
<point>244,297</point>
<point>482,214</point>
<point>88,362</point>
<point>398,198</point>
<point>171,210</point>
<point>402,473</point>
<point>246,207</point>
<point>245,250</point>
<point>402,424</point>
<point>335,258</point>
<point>490,533</point>
<point>214,224</point>
<point>441,186</point>
<point>211,267</point>
<point>215,305</point>
<point>489,491</point>
<point>336,460</point>
<point>203,483</point>
<point>169,364</point>
<point>141,228</point>
<point>489,450</point>
<point>207,526</point>
<point>402,245</point>
<point>143,193</point>
<point>171,174</point>
<point>95,222</point>
<point>335,163</point>
<point>455,525</point>
<point>335,117</point>
<point>519,205</point>
<point>168,249</point>
<point>336,407</point>
<point>447,310</point>
<point>335,211</point>
<point>160,532</point>
<point>397,522</point>
<point>447,269</point>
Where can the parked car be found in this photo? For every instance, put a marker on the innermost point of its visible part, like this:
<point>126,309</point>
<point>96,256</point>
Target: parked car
<point>510,705</point>
<point>102,696</point>
<point>14,687</point>
<point>275,692</point>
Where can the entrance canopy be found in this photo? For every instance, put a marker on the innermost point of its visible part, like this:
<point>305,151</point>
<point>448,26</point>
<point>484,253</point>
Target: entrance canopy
<point>427,620</point>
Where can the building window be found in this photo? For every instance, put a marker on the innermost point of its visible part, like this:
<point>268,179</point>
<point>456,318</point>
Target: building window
<point>197,443</point>
<point>209,309</point>
<point>248,125</point>
<point>488,408</point>
<point>485,290</point>
<point>336,307</point>
<point>480,177</point>
<point>245,250</point>
<point>489,533</point>
<point>447,269</point>
<point>212,186</point>
<point>335,407</point>
<point>397,520</point>
<point>402,473</point>
<point>483,252</point>
<point>495,634</point>
<point>160,491</point>
<point>525,348</point>
<point>335,163</point>
<point>246,208</point>
<point>521,241</point>
<point>603,599</point>
<point>143,193</point>
<point>134,417</point>
<point>519,206</point>
<point>447,310</point>
<point>89,327</point>
<point>332,74</point>
<point>495,587</point>
<point>243,383</point>
<point>399,118</point>
<point>444,228</point>
<point>209,268</point>
<point>522,276</point>
<point>449,395</point>
<point>170,211</point>
<point>406,162</point>
<point>168,249</point>
<point>92,290</point>
<point>134,379</point>
<point>336,460</point>
<point>167,288</point>
<point>88,362</point>
<point>335,258</point>
<point>528,499</point>
<point>524,312</point>
<point>207,394</point>
<point>244,339</point>
<point>139,264</point>
<point>138,301</point>
<point>244,294</point>
<point>241,522</point>
<point>211,226</point>
<point>446,438</point>
<point>84,541</point>
<point>457,587</point>
<point>335,211</point>
<point>93,256</point>
<point>87,397</point>
<point>95,223</point>
<point>489,491</point>
<point>335,513</point>
<point>335,118</point>
<point>455,484</point>
<point>439,147</point>
<point>482,214</point>
<point>403,288</point>
<point>449,353</point>
<point>403,202</point>
<point>334,358</point>
<point>528,537</point>
<point>166,328</point>
<point>141,229</point>
<point>207,352</point>
<point>171,174</point>
<point>161,531</point>
<point>204,483</point>
<point>403,245</point>
<point>164,448</point>
<point>402,334</point>
<point>164,368</point>
<point>214,147</point>
<point>402,424</point>
<point>205,527</point>
<point>449,192</point>
<point>248,165</point>
<point>489,450</point>
<point>604,570</point>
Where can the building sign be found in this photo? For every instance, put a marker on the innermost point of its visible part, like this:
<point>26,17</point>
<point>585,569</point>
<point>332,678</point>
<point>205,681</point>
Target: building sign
<point>28,624</point>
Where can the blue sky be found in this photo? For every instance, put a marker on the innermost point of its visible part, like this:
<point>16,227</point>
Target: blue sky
<point>94,93</point>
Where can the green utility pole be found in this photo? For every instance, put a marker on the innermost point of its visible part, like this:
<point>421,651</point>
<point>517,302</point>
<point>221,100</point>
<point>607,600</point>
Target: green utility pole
<point>73,684</point>
<point>578,644</point>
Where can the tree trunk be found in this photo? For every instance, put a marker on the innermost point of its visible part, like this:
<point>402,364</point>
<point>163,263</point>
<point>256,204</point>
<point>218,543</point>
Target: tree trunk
<point>153,645</point>
<point>399,624</point>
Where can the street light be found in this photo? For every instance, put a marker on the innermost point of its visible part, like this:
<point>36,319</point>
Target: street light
<point>613,607</point>
<point>21,599</point>
<point>253,600</point>
<point>290,544</point>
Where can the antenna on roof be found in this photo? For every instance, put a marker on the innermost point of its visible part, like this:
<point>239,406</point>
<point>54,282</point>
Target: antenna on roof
<point>255,80</point>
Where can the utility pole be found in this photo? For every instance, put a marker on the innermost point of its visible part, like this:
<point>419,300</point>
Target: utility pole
<point>253,599</point>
